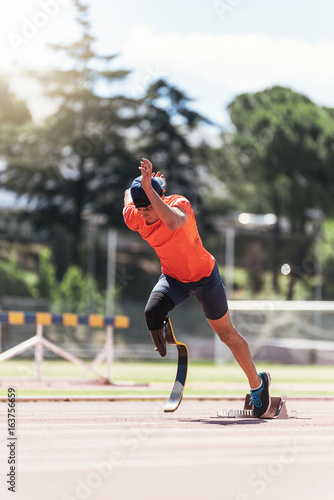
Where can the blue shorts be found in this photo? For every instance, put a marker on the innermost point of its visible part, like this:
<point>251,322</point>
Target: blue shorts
<point>208,291</point>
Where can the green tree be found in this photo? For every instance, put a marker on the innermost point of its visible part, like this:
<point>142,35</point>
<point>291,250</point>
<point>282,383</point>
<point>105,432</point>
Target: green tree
<point>165,137</point>
<point>12,280</point>
<point>47,274</point>
<point>75,291</point>
<point>12,110</point>
<point>277,161</point>
<point>280,142</point>
<point>15,118</point>
<point>79,158</point>
<point>327,255</point>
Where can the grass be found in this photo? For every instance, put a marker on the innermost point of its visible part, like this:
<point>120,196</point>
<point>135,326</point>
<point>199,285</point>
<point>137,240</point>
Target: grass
<point>156,378</point>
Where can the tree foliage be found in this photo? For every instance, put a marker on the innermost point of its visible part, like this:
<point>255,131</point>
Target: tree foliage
<point>84,156</point>
<point>165,131</point>
<point>281,147</point>
<point>78,293</point>
<point>12,110</point>
<point>79,158</point>
<point>327,257</point>
<point>279,160</point>
<point>279,157</point>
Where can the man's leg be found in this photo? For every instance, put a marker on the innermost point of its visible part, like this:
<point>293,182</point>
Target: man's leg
<point>259,383</point>
<point>156,310</point>
<point>167,294</point>
<point>210,293</point>
<point>238,346</point>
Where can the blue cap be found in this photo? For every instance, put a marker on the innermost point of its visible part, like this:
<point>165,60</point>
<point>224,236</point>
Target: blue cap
<point>139,197</point>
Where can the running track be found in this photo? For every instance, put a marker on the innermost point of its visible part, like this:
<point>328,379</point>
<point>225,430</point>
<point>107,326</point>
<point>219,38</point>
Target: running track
<point>131,450</point>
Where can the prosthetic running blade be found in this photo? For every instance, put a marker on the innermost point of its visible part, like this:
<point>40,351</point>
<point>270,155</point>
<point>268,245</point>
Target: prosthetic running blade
<point>176,395</point>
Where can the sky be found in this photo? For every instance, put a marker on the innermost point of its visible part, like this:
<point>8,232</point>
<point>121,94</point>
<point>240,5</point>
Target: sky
<point>212,50</point>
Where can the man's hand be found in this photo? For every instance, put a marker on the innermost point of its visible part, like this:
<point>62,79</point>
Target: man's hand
<point>146,174</point>
<point>173,217</point>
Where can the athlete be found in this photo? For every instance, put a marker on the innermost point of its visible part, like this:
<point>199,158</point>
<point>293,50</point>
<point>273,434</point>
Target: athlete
<point>168,225</point>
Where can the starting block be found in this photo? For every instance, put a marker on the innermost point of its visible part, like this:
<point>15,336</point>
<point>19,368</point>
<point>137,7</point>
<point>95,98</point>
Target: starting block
<point>277,409</point>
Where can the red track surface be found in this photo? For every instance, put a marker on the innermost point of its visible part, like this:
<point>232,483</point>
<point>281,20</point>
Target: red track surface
<point>132,450</point>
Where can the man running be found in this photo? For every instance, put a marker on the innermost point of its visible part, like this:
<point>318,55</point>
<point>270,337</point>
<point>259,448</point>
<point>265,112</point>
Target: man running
<point>168,225</point>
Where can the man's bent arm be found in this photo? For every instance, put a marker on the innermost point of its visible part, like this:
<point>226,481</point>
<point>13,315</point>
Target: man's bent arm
<point>127,197</point>
<point>173,217</point>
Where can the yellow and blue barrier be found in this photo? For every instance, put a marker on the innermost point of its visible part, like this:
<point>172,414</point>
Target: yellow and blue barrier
<point>65,319</point>
<point>41,319</point>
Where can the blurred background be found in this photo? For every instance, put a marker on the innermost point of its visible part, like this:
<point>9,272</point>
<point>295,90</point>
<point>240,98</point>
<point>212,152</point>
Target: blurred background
<point>232,101</point>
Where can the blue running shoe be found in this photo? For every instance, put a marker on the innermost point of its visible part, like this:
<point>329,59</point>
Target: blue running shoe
<point>260,399</point>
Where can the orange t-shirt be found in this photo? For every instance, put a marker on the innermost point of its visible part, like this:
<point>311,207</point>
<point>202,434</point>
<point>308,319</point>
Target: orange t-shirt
<point>181,252</point>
